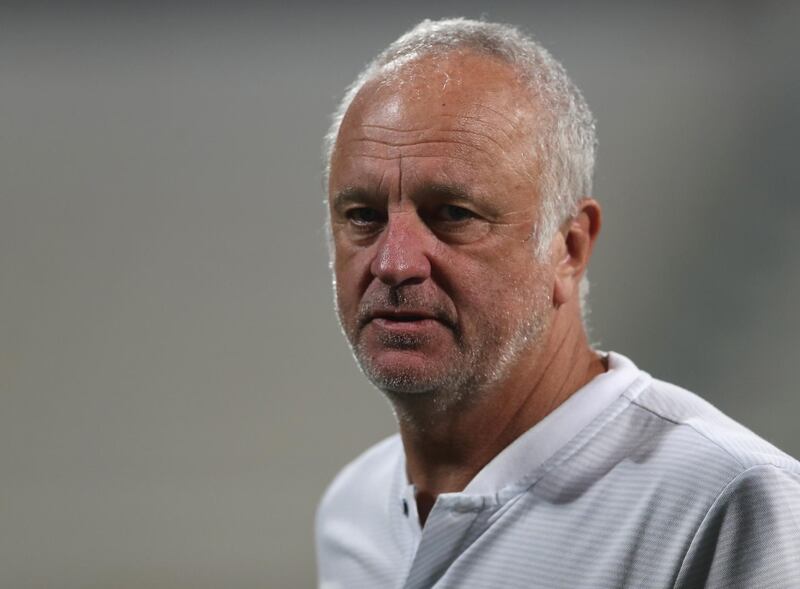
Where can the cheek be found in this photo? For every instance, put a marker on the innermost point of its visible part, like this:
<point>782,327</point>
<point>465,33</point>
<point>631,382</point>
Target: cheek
<point>351,270</point>
<point>345,296</point>
<point>494,294</point>
<point>478,293</point>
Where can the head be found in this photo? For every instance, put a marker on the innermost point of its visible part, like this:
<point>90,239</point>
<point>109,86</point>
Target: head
<point>458,163</point>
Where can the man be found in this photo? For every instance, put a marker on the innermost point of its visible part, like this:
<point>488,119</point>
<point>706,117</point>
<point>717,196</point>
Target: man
<point>460,170</point>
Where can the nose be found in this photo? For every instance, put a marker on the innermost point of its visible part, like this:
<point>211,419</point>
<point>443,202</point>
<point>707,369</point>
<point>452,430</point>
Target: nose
<point>403,251</point>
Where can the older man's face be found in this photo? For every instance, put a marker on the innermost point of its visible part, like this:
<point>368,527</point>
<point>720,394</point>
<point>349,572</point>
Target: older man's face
<point>433,202</point>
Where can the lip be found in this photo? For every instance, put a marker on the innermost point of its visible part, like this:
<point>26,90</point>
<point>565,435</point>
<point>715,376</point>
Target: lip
<point>406,324</point>
<point>407,321</point>
<point>405,316</point>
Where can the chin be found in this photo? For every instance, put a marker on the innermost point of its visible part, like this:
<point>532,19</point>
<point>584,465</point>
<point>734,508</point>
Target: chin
<point>417,381</point>
<point>403,381</point>
<point>415,373</point>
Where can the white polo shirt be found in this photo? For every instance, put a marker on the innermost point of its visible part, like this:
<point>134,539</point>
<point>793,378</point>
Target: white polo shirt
<point>630,482</point>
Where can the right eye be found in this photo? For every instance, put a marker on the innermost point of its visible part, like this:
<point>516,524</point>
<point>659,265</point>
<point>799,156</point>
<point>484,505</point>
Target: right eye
<point>364,216</point>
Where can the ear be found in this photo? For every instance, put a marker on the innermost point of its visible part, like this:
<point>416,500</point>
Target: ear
<point>573,250</point>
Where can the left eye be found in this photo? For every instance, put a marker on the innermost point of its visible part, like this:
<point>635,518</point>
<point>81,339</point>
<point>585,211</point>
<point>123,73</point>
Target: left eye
<point>455,213</point>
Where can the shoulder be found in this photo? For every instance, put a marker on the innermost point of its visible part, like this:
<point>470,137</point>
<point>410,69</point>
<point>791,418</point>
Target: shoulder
<point>362,481</point>
<point>709,428</point>
<point>748,526</point>
<point>750,536</point>
<point>353,527</point>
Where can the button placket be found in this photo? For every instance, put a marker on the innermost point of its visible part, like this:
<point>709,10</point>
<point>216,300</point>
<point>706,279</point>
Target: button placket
<point>445,530</point>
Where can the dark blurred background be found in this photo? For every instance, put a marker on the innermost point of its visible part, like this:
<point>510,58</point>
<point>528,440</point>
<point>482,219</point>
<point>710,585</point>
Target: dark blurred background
<point>174,390</point>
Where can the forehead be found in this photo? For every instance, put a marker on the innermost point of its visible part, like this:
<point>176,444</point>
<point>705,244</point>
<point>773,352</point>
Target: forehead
<point>458,113</point>
<point>457,82</point>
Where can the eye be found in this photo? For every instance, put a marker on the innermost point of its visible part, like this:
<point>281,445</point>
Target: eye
<point>364,216</point>
<point>457,225</point>
<point>455,214</point>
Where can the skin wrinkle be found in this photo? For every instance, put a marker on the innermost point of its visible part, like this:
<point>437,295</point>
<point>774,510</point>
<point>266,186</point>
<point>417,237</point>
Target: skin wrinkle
<point>557,399</point>
<point>512,123</point>
<point>384,179</point>
<point>481,122</point>
<point>500,114</point>
<point>442,142</point>
<point>421,143</point>
<point>388,128</point>
<point>399,173</point>
<point>478,134</point>
<point>484,136</point>
<point>427,156</point>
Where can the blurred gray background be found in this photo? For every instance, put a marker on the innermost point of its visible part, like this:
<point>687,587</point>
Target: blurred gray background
<point>174,390</point>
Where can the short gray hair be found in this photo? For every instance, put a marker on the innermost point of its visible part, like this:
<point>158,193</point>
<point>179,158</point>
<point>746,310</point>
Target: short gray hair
<point>566,146</point>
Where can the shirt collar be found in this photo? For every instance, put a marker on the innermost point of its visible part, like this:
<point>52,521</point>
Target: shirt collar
<point>534,447</point>
<point>543,440</point>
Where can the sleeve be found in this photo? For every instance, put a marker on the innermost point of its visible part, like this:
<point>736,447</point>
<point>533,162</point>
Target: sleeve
<point>750,536</point>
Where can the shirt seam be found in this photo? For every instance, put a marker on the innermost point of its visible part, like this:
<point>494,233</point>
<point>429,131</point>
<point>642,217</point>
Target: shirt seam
<point>703,435</point>
<point>714,503</point>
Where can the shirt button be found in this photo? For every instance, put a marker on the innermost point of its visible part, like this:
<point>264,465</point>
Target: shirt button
<point>405,508</point>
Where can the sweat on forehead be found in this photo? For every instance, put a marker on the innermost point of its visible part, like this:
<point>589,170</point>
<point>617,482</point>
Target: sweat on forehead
<point>456,81</point>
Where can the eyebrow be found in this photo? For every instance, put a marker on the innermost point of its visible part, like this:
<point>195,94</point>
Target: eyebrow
<point>459,193</point>
<point>451,192</point>
<point>352,195</point>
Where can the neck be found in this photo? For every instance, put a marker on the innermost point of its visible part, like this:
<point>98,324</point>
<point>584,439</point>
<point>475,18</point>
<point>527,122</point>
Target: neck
<point>445,450</point>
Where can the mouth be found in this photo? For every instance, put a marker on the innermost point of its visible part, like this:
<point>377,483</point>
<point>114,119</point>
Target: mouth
<point>405,323</point>
<point>406,329</point>
<point>407,317</point>
<point>402,317</point>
